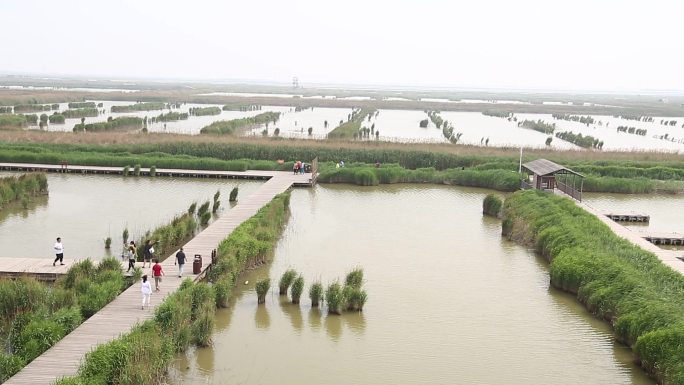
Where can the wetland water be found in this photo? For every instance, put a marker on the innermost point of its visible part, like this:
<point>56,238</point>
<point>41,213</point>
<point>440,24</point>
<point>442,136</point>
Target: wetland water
<point>85,209</point>
<point>449,302</point>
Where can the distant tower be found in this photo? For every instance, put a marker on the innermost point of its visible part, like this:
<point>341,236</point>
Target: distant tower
<point>295,82</point>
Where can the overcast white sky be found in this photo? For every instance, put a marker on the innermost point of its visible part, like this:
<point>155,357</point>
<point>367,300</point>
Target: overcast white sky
<point>523,44</point>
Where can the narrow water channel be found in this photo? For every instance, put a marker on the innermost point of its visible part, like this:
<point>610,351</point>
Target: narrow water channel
<point>86,209</point>
<point>450,302</point>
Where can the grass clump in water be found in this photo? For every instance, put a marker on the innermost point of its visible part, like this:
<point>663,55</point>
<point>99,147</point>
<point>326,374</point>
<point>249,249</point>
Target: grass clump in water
<point>297,289</point>
<point>334,298</point>
<point>233,195</point>
<point>316,294</point>
<point>491,205</point>
<point>262,287</point>
<point>286,280</point>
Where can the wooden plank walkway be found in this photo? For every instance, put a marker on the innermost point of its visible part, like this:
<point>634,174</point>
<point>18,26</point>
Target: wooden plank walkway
<point>670,258</point>
<point>119,316</point>
<point>41,268</point>
<point>297,180</point>
<point>629,216</point>
<point>673,239</point>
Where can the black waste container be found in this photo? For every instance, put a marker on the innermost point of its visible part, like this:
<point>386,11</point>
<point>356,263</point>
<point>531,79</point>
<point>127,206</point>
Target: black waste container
<point>307,168</point>
<point>197,264</point>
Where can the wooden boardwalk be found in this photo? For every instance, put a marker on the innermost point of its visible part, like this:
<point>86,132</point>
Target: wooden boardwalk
<point>119,316</point>
<point>630,216</point>
<point>670,258</point>
<point>41,268</point>
<point>297,180</point>
<point>672,239</point>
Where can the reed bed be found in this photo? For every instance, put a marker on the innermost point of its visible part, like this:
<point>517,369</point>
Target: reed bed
<point>34,316</point>
<point>14,188</point>
<point>491,205</point>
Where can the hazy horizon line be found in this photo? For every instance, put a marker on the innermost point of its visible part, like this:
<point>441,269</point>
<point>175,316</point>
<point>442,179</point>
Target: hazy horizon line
<point>336,85</point>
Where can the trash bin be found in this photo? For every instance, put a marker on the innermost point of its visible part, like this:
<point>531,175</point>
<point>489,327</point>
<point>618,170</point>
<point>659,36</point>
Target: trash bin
<point>197,264</point>
<point>307,168</point>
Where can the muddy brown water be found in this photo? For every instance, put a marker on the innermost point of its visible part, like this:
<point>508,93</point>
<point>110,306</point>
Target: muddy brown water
<point>449,302</point>
<point>86,209</point>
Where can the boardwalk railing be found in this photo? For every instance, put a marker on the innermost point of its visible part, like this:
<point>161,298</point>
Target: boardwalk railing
<point>569,190</point>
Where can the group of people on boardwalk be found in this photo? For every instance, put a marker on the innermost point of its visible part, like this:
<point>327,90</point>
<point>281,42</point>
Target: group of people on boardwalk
<point>299,167</point>
<point>148,252</point>
<point>157,273</point>
<point>132,252</point>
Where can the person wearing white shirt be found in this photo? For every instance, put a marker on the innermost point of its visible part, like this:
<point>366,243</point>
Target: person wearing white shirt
<point>146,290</point>
<point>59,252</point>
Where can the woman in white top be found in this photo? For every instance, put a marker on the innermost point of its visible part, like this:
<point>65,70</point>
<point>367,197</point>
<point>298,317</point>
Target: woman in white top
<point>146,290</point>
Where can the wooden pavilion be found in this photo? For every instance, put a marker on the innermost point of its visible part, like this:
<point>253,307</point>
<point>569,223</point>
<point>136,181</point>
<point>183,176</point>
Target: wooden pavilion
<point>546,175</point>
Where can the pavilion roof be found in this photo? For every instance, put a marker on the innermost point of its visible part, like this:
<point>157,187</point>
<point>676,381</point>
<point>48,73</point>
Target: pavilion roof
<point>543,167</point>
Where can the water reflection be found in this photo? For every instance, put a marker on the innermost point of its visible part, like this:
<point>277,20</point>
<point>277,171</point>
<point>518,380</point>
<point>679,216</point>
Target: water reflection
<point>333,326</point>
<point>16,208</point>
<point>315,318</point>
<point>293,312</point>
<point>356,322</point>
<point>262,319</point>
<point>204,359</point>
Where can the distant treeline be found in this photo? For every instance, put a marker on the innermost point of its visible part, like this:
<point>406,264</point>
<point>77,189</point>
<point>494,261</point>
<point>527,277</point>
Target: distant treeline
<point>436,119</point>
<point>82,105</point>
<point>498,114</point>
<point>5,109</point>
<point>12,121</point>
<point>34,107</point>
<point>575,118</point>
<point>347,130</point>
<point>228,127</point>
<point>170,117</point>
<point>56,118</point>
<point>31,118</point>
<point>241,107</point>
<point>202,111</point>
<point>123,122</point>
<point>639,118</point>
<point>81,113</point>
<point>668,122</point>
<point>632,130</point>
<point>150,106</point>
<point>579,140</point>
<point>538,125</point>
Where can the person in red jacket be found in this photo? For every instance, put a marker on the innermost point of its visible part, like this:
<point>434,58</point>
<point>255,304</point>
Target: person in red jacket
<point>157,272</point>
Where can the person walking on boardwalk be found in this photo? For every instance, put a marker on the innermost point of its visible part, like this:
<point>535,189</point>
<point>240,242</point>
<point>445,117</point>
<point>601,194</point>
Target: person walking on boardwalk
<point>148,250</point>
<point>157,272</point>
<point>180,261</point>
<point>132,252</point>
<point>146,290</point>
<point>59,252</point>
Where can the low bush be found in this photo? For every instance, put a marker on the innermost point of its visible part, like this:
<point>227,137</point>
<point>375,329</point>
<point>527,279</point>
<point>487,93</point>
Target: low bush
<point>491,205</point>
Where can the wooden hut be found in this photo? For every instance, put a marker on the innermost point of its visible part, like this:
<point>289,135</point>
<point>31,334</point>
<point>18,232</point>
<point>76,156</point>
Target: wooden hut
<point>546,175</point>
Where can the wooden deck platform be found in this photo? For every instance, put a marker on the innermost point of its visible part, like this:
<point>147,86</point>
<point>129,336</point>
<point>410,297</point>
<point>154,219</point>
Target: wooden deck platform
<point>672,239</point>
<point>119,316</point>
<point>671,258</point>
<point>628,216</point>
<point>297,180</point>
<point>41,268</point>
